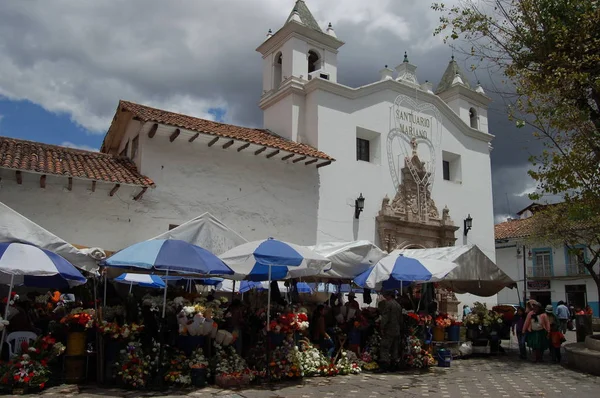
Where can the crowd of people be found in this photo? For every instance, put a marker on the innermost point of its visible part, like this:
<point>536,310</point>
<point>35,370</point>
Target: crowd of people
<point>539,329</point>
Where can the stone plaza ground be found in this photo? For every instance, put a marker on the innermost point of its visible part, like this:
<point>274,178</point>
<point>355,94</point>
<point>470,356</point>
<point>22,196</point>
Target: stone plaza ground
<point>493,376</point>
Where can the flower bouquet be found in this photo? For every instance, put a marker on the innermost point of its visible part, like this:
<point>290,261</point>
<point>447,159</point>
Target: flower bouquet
<point>348,364</point>
<point>443,321</point>
<point>79,320</point>
<point>370,354</point>
<point>199,369</point>
<point>312,361</point>
<point>133,368</point>
<point>231,370</point>
<point>24,373</point>
<point>285,361</point>
<point>111,313</point>
<point>178,378</point>
<point>416,356</point>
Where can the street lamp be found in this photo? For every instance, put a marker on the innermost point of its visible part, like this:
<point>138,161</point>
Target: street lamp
<point>468,224</point>
<point>359,205</point>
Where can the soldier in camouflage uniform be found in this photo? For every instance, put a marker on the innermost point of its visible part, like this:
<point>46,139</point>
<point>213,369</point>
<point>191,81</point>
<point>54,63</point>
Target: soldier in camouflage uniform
<point>391,319</point>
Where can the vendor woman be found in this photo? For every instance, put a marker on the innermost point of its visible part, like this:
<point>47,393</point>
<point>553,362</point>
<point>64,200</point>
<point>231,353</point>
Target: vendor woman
<point>537,328</point>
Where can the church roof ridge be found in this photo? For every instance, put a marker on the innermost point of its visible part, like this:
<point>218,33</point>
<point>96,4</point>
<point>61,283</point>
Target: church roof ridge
<point>305,15</point>
<point>449,75</point>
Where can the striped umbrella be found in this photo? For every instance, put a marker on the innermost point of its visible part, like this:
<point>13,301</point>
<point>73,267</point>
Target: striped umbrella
<point>395,271</point>
<point>29,265</point>
<point>272,259</point>
<point>143,280</point>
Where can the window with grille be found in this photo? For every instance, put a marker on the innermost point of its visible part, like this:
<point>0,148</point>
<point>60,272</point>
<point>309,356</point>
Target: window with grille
<point>576,261</point>
<point>363,150</point>
<point>542,265</point>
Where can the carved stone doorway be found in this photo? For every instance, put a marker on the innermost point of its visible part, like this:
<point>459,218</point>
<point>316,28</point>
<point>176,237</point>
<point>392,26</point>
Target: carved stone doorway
<point>411,219</point>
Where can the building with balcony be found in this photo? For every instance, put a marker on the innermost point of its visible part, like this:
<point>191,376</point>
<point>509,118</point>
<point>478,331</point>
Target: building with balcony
<point>544,272</point>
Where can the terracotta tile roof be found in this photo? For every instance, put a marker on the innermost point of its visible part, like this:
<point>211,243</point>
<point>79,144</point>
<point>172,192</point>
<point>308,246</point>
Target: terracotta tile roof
<point>56,160</point>
<point>246,134</point>
<point>514,228</point>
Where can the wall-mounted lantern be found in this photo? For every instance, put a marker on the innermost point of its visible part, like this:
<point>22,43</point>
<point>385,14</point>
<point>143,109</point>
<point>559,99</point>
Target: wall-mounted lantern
<point>359,205</point>
<point>468,224</point>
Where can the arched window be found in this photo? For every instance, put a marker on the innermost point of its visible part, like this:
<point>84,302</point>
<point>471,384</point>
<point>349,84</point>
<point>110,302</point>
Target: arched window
<point>473,117</point>
<point>277,66</point>
<point>313,61</point>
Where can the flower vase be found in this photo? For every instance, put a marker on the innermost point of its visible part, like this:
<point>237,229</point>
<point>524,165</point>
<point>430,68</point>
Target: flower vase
<point>199,377</point>
<point>438,333</point>
<point>76,343</point>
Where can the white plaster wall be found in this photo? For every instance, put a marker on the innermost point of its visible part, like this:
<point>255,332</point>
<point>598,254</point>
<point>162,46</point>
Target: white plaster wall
<point>255,196</point>
<point>268,63</point>
<point>344,180</point>
<point>330,65</point>
<point>80,216</point>
<point>279,118</point>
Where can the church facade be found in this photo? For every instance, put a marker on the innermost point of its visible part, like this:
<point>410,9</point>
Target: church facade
<point>394,162</point>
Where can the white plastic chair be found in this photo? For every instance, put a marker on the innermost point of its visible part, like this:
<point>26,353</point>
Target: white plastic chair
<point>16,339</point>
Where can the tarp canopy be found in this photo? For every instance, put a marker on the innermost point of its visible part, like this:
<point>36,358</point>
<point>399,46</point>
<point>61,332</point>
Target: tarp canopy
<point>348,259</point>
<point>475,273</point>
<point>14,227</point>
<point>207,232</point>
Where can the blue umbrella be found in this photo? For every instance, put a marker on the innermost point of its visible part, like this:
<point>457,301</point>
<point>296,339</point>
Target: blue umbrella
<point>143,280</point>
<point>249,285</point>
<point>272,259</point>
<point>169,255</point>
<point>396,271</point>
<point>29,265</point>
<point>303,287</point>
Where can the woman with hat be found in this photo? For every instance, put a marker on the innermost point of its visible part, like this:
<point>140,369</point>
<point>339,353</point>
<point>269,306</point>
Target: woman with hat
<point>552,318</point>
<point>537,328</point>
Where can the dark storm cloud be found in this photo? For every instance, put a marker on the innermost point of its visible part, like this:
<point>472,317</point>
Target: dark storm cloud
<point>81,57</point>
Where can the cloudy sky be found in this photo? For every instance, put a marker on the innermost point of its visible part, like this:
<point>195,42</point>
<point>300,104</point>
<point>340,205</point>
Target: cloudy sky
<point>66,63</point>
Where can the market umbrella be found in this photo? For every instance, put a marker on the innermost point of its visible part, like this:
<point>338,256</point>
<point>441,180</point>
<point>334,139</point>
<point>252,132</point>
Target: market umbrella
<point>272,259</point>
<point>249,285</point>
<point>303,287</point>
<point>29,265</point>
<point>169,255</point>
<point>396,270</point>
<point>143,280</point>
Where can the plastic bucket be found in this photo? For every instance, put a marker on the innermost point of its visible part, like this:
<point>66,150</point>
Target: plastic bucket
<point>76,343</point>
<point>444,358</point>
<point>454,333</point>
<point>438,334</point>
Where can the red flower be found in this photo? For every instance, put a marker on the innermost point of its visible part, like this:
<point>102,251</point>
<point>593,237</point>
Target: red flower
<point>16,377</point>
<point>42,385</point>
<point>26,379</point>
<point>25,346</point>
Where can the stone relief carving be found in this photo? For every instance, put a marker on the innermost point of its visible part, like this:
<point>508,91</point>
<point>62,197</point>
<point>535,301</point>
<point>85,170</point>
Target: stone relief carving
<point>412,218</point>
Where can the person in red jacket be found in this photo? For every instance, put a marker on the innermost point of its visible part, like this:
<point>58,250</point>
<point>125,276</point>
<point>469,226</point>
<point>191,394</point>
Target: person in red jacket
<point>556,340</point>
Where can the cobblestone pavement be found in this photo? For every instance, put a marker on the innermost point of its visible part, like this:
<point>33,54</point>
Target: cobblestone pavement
<point>494,376</point>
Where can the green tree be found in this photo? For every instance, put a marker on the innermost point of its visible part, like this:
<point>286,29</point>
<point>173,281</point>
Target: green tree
<point>549,51</point>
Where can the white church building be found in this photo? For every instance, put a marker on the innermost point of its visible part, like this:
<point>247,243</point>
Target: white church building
<point>395,162</point>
